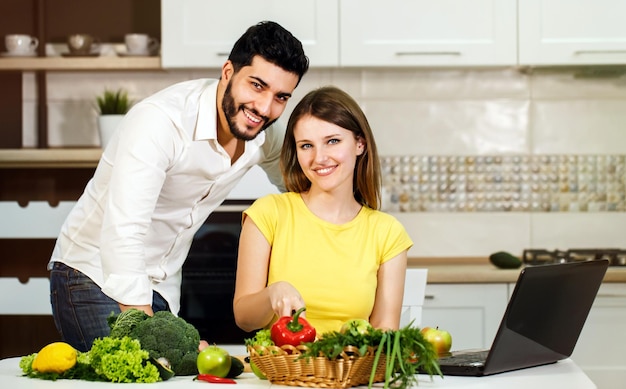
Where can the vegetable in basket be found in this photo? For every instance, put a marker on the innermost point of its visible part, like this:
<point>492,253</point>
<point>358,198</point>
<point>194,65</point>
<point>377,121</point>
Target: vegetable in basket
<point>262,338</point>
<point>406,352</point>
<point>292,330</point>
<point>396,356</point>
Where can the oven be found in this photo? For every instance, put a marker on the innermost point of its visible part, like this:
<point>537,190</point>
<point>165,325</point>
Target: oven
<point>208,282</point>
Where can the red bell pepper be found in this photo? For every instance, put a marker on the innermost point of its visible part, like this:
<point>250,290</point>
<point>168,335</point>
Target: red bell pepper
<point>293,330</point>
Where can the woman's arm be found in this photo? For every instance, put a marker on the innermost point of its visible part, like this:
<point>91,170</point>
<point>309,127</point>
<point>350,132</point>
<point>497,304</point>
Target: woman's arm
<point>254,304</point>
<point>389,294</point>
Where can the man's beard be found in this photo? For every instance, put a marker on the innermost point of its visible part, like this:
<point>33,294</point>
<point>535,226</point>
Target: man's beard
<point>230,111</point>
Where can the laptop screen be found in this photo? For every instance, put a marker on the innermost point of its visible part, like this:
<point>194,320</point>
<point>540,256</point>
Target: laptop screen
<point>545,315</point>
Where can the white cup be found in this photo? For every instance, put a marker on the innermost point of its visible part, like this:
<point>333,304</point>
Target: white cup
<point>82,44</point>
<point>21,43</point>
<point>140,44</point>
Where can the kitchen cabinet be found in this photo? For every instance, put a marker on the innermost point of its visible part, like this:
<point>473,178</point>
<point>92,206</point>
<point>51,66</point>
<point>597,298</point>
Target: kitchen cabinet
<point>470,312</point>
<point>428,33</point>
<point>200,34</point>
<point>600,348</point>
<point>35,198</point>
<point>572,32</point>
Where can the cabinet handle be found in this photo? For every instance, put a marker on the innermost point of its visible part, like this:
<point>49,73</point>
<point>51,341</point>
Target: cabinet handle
<point>223,54</point>
<point>448,53</point>
<point>429,297</point>
<point>582,52</point>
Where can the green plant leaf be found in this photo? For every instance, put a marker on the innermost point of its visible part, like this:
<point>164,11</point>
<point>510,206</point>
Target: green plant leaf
<point>113,102</point>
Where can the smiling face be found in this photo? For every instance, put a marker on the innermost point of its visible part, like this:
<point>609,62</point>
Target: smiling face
<point>255,96</point>
<point>326,154</point>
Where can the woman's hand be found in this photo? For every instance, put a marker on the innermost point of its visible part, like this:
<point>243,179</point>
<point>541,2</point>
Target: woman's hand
<point>284,298</point>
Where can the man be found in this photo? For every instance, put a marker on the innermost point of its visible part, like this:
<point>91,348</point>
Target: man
<point>173,160</point>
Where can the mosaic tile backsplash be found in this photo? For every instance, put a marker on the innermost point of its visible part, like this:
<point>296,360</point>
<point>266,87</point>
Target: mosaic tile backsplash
<point>497,183</point>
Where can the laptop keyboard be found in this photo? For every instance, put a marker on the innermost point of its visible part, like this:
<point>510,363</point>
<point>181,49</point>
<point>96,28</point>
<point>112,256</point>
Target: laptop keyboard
<point>475,358</point>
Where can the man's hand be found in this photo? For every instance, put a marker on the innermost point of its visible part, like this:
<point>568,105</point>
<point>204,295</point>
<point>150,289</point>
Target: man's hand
<point>146,308</point>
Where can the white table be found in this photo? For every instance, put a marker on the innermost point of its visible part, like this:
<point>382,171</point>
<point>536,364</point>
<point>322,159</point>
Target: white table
<point>564,374</point>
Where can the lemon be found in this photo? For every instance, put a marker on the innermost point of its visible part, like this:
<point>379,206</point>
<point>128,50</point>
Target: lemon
<point>57,357</point>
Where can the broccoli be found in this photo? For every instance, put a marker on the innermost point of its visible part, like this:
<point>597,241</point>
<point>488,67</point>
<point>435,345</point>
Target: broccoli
<point>166,335</point>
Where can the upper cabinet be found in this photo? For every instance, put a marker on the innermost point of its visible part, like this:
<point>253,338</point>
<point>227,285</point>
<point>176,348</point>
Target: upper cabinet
<point>428,33</point>
<point>572,32</point>
<point>200,33</point>
<point>396,33</point>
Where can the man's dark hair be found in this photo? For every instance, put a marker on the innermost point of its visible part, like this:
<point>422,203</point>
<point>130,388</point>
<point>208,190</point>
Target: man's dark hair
<point>274,44</point>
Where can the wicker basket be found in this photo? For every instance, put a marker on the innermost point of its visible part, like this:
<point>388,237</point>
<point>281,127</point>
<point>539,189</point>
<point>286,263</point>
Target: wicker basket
<point>285,366</point>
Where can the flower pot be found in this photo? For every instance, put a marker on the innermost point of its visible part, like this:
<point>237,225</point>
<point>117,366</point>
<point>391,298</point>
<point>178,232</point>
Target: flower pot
<point>107,124</point>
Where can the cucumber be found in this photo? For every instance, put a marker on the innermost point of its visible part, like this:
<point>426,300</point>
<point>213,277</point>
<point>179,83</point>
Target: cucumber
<point>504,260</point>
<point>236,367</point>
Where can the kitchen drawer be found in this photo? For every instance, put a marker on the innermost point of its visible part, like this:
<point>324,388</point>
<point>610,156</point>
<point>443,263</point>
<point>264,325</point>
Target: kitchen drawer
<point>37,220</point>
<point>30,298</point>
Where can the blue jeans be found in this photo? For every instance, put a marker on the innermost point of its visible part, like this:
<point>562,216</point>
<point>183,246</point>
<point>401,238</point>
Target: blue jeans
<point>80,309</point>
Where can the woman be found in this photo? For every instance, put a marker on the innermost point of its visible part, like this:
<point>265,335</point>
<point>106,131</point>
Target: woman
<point>323,244</point>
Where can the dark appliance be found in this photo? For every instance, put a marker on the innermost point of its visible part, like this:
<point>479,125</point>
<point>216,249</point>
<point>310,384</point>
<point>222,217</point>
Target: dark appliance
<point>208,283</point>
<point>616,257</point>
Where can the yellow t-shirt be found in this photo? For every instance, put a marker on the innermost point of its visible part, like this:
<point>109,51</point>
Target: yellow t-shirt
<point>334,267</point>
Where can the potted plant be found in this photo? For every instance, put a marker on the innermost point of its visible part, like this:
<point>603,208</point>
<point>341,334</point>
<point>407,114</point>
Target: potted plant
<point>112,105</point>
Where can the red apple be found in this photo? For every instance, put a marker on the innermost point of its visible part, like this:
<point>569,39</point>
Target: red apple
<point>440,339</point>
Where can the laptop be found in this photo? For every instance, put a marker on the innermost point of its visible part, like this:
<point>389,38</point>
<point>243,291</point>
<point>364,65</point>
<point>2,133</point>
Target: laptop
<point>542,322</point>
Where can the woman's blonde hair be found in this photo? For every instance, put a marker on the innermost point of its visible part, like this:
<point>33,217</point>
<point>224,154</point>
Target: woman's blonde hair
<point>335,106</point>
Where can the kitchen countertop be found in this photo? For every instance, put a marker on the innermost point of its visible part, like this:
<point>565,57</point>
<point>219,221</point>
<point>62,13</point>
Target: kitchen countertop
<point>480,271</point>
<point>563,374</point>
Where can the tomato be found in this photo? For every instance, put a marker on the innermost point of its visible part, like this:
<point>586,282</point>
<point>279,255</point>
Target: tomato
<point>215,361</point>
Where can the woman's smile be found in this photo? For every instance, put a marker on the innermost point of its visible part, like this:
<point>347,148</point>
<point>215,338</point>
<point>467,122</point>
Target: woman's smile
<point>324,171</point>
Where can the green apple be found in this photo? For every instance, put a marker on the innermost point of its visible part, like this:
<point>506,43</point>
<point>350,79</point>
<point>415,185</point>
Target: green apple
<point>440,339</point>
<point>257,372</point>
<point>356,327</point>
<point>215,361</point>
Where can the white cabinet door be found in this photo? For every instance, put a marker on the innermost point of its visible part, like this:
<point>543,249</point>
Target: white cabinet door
<point>600,348</point>
<point>570,32</point>
<point>200,33</point>
<point>428,33</point>
<point>470,312</point>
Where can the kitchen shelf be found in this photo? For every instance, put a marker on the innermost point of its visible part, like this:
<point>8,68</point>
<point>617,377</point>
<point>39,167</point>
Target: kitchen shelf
<point>50,158</point>
<point>80,63</point>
